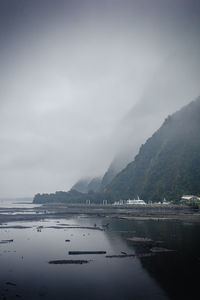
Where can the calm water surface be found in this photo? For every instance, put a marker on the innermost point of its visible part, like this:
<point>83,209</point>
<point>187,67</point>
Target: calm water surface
<point>166,275</point>
<point>16,203</point>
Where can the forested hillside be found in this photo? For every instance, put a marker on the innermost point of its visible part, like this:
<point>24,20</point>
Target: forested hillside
<point>168,164</point>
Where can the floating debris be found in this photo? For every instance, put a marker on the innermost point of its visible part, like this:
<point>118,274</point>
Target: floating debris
<point>159,249</point>
<point>67,240</point>
<point>140,240</point>
<point>145,255</point>
<point>120,255</point>
<point>6,241</point>
<point>130,255</point>
<point>15,227</point>
<point>85,252</point>
<point>68,261</point>
<point>11,283</point>
<point>75,227</point>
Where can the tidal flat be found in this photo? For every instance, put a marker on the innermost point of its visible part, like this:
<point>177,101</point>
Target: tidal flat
<point>123,253</point>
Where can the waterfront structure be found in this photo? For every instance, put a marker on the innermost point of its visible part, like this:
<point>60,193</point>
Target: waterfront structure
<point>120,202</point>
<point>190,199</point>
<point>135,201</point>
<point>165,202</point>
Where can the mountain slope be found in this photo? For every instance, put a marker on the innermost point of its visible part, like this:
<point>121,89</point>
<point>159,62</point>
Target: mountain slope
<point>87,184</point>
<point>175,81</point>
<point>168,164</point>
<point>81,185</point>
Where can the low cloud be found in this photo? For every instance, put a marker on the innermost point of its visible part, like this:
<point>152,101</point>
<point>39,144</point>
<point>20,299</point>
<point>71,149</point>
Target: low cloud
<point>83,82</point>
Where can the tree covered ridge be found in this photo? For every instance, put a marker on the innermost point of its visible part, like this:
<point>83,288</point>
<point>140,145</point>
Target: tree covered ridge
<point>167,165</point>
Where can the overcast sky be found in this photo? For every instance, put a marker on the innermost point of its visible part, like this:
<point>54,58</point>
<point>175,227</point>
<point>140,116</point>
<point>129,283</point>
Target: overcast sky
<point>79,78</point>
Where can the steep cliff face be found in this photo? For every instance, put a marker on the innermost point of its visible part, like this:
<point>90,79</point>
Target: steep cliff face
<point>168,164</point>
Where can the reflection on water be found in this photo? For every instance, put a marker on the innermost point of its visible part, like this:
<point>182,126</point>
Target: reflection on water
<point>177,272</point>
<point>25,270</point>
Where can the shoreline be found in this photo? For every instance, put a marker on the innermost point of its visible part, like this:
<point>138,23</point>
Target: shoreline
<point>137,213</point>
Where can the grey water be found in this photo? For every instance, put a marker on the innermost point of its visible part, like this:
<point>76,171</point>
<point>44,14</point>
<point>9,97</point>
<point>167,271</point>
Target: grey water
<point>27,274</point>
<point>17,206</point>
<point>17,203</point>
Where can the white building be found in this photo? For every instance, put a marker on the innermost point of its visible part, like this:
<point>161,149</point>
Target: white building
<point>190,198</point>
<point>165,202</point>
<point>135,201</point>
